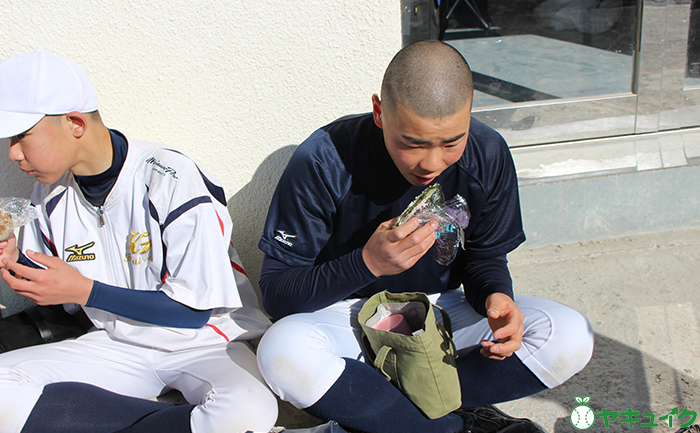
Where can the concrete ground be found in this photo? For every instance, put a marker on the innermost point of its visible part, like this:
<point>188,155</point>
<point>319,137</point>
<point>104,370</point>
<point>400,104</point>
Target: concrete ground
<point>640,294</point>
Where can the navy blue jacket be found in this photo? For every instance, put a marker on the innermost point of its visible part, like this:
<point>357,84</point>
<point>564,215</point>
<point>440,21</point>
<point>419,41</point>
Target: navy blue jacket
<point>341,183</point>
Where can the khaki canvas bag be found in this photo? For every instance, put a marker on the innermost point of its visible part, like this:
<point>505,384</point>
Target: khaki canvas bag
<point>422,365</point>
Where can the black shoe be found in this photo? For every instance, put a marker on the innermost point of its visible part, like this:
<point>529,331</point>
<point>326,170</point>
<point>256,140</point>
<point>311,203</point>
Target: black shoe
<point>488,419</point>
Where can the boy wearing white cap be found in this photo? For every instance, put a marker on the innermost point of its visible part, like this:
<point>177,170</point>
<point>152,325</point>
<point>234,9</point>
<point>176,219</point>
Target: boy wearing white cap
<point>138,236</point>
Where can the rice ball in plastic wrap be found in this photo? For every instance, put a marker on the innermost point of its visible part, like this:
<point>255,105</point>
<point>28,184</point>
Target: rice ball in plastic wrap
<point>15,212</point>
<point>452,215</point>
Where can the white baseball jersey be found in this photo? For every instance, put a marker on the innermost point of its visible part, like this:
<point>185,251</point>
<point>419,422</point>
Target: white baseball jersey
<point>164,226</point>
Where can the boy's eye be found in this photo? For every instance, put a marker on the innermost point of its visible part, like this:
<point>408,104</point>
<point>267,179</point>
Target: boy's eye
<point>20,136</point>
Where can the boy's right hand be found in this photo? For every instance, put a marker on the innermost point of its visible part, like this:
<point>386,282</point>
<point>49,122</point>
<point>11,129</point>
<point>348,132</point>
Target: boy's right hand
<point>390,251</point>
<point>57,283</point>
<point>8,250</point>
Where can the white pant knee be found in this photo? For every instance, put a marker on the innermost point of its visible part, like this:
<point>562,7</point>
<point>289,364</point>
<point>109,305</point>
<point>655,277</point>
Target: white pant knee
<point>250,408</point>
<point>299,361</point>
<point>558,340</point>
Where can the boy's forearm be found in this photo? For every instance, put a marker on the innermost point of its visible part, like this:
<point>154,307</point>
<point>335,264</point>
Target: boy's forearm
<point>148,306</point>
<point>481,278</point>
<point>287,290</point>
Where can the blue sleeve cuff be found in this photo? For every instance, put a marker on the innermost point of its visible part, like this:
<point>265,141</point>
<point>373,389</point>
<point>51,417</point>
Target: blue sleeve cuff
<point>148,306</point>
<point>24,260</point>
<point>481,278</point>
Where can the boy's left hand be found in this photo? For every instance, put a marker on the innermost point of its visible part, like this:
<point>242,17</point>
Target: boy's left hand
<point>506,321</point>
<point>59,283</point>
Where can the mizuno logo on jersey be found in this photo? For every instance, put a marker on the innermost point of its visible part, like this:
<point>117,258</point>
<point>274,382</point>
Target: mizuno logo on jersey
<point>78,253</point>
<point>283,238</point>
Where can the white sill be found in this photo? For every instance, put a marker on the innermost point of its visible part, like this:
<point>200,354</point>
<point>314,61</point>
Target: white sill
<point>600,157</point>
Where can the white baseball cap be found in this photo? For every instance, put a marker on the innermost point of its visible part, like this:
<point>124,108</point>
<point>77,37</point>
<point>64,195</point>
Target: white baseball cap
<point>37,84</point>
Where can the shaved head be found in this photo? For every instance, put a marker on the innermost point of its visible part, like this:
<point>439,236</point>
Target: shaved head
<point>430,78</point>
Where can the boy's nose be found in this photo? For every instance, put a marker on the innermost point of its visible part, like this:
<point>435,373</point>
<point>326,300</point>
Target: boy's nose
<point>15,153</point>
<point>432,161</point>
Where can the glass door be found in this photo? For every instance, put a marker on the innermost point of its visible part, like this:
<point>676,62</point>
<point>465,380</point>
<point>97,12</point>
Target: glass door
<point>560,70</point>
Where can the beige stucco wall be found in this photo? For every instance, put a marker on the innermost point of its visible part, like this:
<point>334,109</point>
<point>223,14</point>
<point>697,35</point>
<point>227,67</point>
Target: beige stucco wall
<point>233,84</point>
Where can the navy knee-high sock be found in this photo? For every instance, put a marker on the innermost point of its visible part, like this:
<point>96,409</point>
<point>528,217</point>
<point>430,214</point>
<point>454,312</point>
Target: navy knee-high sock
<point>71,407</point>
<point>363,399</point>
<point>487,381</point>
<point>174,419</point>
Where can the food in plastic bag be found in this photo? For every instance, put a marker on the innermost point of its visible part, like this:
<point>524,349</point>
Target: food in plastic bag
<point>452,216</point>
<point>15,212</point>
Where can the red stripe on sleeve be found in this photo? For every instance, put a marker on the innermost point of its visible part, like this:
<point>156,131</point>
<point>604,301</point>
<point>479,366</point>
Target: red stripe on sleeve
<point>218,331</point>
<point>238,267</point>
<point>52,247</point>
<point>221,223</point>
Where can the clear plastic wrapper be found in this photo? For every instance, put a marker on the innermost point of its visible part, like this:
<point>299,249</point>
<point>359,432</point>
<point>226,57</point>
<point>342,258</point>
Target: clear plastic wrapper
<point>15,212</point>
<point>452,215</point>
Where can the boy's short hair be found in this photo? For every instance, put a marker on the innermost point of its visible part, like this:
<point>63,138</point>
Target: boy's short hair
<point>430,78</point>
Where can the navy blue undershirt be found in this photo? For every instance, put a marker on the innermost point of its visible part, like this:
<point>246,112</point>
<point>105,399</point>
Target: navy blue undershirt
<point>148,306</point>
<point>96,187</point>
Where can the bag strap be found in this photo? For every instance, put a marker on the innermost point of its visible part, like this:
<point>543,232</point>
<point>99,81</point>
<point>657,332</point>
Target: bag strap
<point>381,359</point>
<point>368,348</point>
<point>448,338</point>
<point>446,328</point>
<point>445,319</point>
<point>39,321</point>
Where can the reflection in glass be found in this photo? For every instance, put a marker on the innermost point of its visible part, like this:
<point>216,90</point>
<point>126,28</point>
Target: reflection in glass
<point>530,50</point>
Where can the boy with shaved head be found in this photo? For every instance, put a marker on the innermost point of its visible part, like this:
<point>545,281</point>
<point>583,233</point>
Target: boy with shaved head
<point>330,243</point>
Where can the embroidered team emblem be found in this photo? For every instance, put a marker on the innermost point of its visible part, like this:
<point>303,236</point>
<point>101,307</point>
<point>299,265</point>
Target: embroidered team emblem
<point>78,253</point>
<point>139,245</point>
<point>283,238</point>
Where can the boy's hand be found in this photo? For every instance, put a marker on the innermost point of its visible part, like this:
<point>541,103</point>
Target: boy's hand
<point>506,322</point>
<point>8,250</point>
<point>391,251</point>
<point>59,283</point>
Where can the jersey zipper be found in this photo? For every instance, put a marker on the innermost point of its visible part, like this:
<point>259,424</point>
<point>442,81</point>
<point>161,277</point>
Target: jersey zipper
<point>108,250</point>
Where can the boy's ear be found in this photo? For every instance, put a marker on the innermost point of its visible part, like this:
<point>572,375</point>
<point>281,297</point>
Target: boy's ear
<point>77,122</point>
<point>377,110</point>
